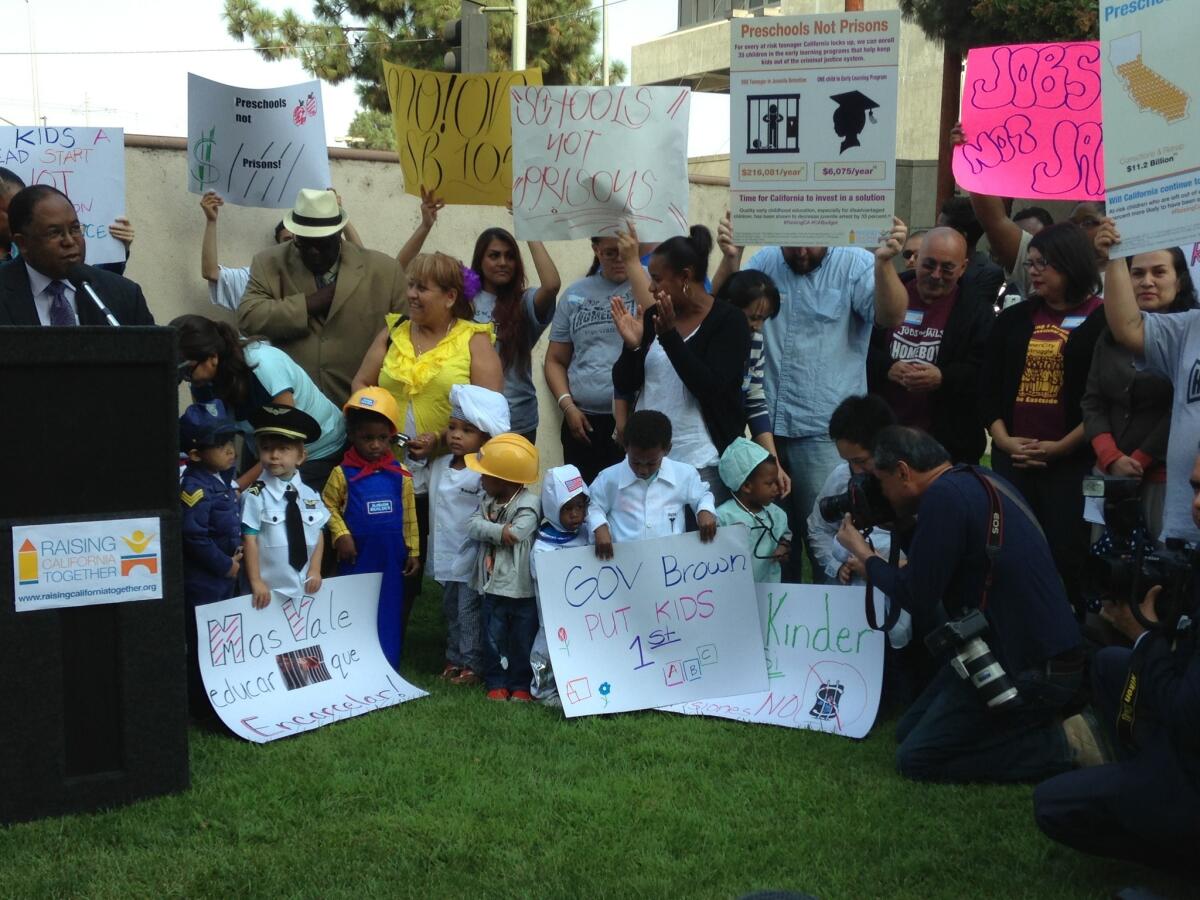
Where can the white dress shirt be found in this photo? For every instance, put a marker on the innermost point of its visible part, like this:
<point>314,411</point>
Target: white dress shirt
<point>42,298</point>
<point>264,509</point>
<point>635,508</point>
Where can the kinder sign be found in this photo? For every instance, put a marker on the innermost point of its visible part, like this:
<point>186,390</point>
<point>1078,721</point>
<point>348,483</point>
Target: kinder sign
<point>298,664</point>
<point>65,564</point>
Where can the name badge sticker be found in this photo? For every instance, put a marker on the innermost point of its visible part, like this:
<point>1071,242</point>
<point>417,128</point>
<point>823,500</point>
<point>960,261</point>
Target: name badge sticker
<point>379,507</point>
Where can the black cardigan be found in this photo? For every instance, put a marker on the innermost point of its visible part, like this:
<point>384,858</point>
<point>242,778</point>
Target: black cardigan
<point>953,407</point>
<point>711,365</point>
<point>1005,362</point>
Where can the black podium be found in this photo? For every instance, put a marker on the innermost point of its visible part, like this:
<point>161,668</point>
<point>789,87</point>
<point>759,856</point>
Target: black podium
<point>94,697</point>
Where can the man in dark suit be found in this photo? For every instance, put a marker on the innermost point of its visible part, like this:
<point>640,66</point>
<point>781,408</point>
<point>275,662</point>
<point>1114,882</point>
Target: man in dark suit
<point>35,290</point>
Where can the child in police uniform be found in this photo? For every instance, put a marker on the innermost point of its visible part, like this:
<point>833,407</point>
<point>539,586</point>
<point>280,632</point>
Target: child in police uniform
<point>752,475</point>
<point>210,523</point>
<point>372,511</point>
<point>476,414</point>
<point>282,517</point>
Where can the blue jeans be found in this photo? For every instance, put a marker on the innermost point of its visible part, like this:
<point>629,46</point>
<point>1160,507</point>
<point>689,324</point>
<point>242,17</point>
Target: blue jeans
<point>950,735</point>
<point>808,462</point>
<point>509,625</point>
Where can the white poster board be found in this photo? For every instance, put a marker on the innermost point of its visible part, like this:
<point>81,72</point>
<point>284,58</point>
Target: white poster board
<point>664,621</point>
<point>256,147</point>
<point>299,663</point>
<point>63,564</point>
<point>586,160</point>
<point>1151,126</point>
<point>86,164</point>
<point>824,664</point>
<point>812,130</point>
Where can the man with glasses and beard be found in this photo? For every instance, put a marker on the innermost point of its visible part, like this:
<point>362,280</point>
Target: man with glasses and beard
<point>816,350</point>
<point>321,299</point>
<point>927,367</point>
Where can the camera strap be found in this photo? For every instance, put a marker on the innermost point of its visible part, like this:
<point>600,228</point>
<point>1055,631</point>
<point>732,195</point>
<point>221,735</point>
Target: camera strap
<point>891,613</point>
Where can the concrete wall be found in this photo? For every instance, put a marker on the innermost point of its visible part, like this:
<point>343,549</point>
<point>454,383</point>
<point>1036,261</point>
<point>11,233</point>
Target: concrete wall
<point>170,224</point>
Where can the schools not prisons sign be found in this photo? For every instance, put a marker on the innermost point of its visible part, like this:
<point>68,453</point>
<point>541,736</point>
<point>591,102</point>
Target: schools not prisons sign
<point>1032,116</point>
<point>86,164</point>
<point>301,663</point>
<point>256,147</point>
<point>586,160</point>
<point>663,621</point>
<point>452,132</point>
<point>824,664</point>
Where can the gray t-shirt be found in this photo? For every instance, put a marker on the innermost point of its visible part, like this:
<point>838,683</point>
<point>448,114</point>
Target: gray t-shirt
<point>1173,349</point>
<point>584,320</point>
<point>518,386</point>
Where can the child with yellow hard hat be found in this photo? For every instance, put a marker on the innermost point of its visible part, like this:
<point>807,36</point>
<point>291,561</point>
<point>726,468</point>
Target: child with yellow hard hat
<point>505,525</point>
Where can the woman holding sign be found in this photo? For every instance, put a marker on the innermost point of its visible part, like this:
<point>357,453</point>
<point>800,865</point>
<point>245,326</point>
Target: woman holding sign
<point>686,356</point>
<point>1033,379</point>
<point>519,312</point>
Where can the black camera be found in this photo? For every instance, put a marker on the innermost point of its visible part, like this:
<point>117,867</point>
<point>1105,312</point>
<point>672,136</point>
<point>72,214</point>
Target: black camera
<point>973,659</point>
<point>1124,564</point>
<point>864,501</point>
<point>400,440</point>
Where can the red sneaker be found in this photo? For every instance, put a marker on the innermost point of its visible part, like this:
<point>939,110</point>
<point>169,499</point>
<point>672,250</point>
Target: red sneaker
<point>498,694</point>
<point>521,696</point>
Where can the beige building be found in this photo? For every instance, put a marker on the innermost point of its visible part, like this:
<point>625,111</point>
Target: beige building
<point>697,54</point>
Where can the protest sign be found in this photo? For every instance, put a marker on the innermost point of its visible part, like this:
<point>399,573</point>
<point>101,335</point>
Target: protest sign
<point>86,164</point>
<point>664,621</point>
<point>1152,158</point>
<point>586,160</point>
<point>1032,116</point>
<point>298,664</point>
<point>452,131</point>
<point>812,132</point>
<point>62,564</point>
<point>256,147</point>
<point>824,664</point>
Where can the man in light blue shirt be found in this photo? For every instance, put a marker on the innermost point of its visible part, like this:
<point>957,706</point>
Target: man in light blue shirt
<point>816,351</point>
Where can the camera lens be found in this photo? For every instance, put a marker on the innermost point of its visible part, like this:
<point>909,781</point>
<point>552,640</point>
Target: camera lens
<point>833,508</point>
<point>976,663</point>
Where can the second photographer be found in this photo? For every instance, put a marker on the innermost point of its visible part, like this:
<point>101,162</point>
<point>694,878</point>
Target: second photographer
<point>994,711</point>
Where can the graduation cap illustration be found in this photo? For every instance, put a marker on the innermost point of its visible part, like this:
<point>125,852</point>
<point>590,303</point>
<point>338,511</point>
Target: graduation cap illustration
<point>850,117</point>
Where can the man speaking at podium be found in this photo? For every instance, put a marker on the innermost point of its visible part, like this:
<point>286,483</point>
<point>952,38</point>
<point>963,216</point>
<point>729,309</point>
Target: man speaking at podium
<point>48,284</point>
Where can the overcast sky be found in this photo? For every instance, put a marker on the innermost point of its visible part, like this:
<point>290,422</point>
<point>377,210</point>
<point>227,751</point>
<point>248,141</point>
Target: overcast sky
<point>103,62</point>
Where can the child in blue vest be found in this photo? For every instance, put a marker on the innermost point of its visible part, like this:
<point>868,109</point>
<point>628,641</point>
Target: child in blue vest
<point>210,523</point>
<point>372,511</point>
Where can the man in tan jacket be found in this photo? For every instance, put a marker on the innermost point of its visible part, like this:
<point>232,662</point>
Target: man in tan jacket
<point>321,299</point>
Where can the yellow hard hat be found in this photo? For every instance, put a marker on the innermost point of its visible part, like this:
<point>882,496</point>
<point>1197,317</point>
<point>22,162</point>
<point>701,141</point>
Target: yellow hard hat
<point>376,400</point>
<point>508,457</point>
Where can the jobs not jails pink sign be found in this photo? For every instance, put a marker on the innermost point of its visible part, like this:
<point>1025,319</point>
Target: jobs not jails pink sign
<point>1032,118</point>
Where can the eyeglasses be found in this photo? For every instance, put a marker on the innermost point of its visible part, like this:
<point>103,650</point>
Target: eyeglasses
<point>185,369</point>
<point>947,269</point>
<point>908,254</point>
<point>610,254</point>
<point>1036,265</point>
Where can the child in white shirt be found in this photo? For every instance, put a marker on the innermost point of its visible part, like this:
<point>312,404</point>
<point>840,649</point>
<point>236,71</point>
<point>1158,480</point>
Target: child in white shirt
<point>645,495</point>
<point>476,414</point>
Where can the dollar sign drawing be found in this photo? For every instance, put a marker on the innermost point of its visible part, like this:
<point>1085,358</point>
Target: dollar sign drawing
<point>205,172</point>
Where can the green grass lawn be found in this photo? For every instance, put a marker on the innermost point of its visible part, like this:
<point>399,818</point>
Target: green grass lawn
<point>454,796</point>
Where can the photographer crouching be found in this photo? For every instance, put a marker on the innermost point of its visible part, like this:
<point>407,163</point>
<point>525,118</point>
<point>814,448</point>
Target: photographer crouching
<point>1014,655</point>
<point>1145,806</point>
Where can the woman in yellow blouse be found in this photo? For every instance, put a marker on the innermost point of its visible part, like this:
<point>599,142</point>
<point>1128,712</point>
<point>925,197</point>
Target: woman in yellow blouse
<point>417,359</point>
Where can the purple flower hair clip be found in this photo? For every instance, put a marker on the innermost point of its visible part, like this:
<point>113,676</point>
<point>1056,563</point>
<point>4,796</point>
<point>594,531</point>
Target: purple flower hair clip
<point>472,284</point>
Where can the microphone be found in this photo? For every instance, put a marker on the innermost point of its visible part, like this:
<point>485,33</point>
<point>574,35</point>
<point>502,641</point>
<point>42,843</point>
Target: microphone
<point>78,277</point>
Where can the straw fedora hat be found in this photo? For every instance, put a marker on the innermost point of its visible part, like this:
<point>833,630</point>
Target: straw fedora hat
<point>315,215</point>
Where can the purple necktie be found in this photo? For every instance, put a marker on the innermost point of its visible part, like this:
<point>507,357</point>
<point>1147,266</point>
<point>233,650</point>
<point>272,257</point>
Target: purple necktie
<point>60,310</point>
